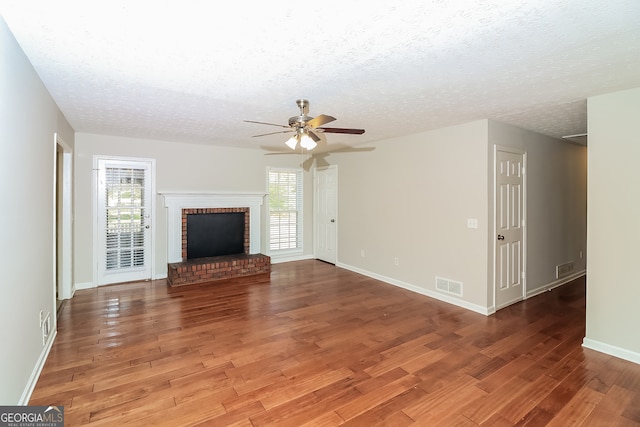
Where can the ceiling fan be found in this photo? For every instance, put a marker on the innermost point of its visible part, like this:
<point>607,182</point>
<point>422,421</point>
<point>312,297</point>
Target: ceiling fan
<point>306,128</point>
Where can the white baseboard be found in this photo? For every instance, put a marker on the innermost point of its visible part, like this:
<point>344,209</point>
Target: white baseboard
<point>90,285</point>
<point>413,288</point>
<point>556,283</point>
<point>281,259</point>
<point>86,285</point>
<point>35,374</point>
<point>611,350</point>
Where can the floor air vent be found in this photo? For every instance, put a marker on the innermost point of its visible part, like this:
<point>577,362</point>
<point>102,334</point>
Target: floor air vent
<point>449,286</point>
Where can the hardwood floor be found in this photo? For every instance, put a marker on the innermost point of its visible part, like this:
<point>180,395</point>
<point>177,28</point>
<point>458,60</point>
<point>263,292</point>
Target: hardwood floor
<point>322,346</point>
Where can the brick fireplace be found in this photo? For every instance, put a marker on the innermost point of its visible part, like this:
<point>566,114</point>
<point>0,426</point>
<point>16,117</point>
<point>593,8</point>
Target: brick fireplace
<point>183,271</point>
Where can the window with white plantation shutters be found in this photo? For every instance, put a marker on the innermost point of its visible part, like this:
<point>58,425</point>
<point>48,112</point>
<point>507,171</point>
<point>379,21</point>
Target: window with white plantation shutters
<point>285,209</point>
<point>125,218</point>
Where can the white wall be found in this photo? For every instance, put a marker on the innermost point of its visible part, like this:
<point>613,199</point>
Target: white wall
<point>179,167</point>
<point>29,120</point>
<point>613,281</point>
<point>556,202</point>
<point>410,198</point>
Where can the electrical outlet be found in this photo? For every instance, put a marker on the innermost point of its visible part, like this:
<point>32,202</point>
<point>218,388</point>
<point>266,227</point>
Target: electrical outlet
<point>396,261</point>
<point>362,253</point>
<point>46,328</point>
<point>41,318</point>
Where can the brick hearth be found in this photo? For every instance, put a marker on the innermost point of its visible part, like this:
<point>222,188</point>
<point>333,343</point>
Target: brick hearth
<point>203,270</point>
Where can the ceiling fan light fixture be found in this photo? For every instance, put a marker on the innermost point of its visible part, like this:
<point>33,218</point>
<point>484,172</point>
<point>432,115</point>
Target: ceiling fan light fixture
<point>292,142</point>
<point>307,142</point>
<point>305,128</point>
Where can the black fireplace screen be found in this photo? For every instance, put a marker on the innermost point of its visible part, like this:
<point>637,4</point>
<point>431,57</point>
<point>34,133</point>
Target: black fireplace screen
<point>215,234</point>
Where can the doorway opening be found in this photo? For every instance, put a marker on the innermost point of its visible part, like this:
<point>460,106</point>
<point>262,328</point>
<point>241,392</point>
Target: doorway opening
<point>63,264</point>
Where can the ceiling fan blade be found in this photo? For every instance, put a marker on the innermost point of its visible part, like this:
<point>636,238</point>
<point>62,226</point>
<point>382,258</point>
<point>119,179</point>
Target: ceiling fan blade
<point>320,120</point>
<point>265,123</point>
<point>341,130</point>
<point>313,136</point>
<point>273,133</point>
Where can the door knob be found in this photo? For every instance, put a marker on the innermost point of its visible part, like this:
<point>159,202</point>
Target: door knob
<point>333,220</point>
<point>500,237</point>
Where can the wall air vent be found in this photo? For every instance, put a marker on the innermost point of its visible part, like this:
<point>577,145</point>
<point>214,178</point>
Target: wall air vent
<point>449,286</point>
<point>563,270</point>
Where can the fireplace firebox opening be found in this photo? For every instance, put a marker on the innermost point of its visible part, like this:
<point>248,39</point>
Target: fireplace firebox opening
<point>211,232</point>
<point>215,234</point>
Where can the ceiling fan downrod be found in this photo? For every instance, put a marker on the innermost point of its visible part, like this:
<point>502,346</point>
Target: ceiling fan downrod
<point>303,104</point>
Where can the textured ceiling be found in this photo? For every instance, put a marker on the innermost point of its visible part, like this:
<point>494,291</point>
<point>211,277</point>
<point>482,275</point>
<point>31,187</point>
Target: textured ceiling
<point>192,71</point>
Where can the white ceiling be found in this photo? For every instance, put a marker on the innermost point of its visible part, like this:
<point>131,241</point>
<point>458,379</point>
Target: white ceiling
<point>192,71</point>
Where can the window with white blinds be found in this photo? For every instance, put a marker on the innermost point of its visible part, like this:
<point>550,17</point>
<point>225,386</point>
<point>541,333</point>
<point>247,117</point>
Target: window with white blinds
<point>285,209</point>
<point>125,217</point>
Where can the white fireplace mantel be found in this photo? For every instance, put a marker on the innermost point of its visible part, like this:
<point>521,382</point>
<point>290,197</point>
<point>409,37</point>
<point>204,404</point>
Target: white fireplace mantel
<point>175,202</point>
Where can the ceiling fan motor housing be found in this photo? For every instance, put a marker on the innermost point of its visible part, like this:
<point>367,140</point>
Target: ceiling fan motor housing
<point>299,121</point>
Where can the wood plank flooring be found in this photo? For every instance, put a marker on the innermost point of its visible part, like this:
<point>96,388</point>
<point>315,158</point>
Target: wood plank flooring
<point>318,345</point>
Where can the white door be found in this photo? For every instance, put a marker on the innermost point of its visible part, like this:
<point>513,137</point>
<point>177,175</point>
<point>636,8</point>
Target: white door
<point>124,220</point>
<point>325,213</point>
<point>509,247</point>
